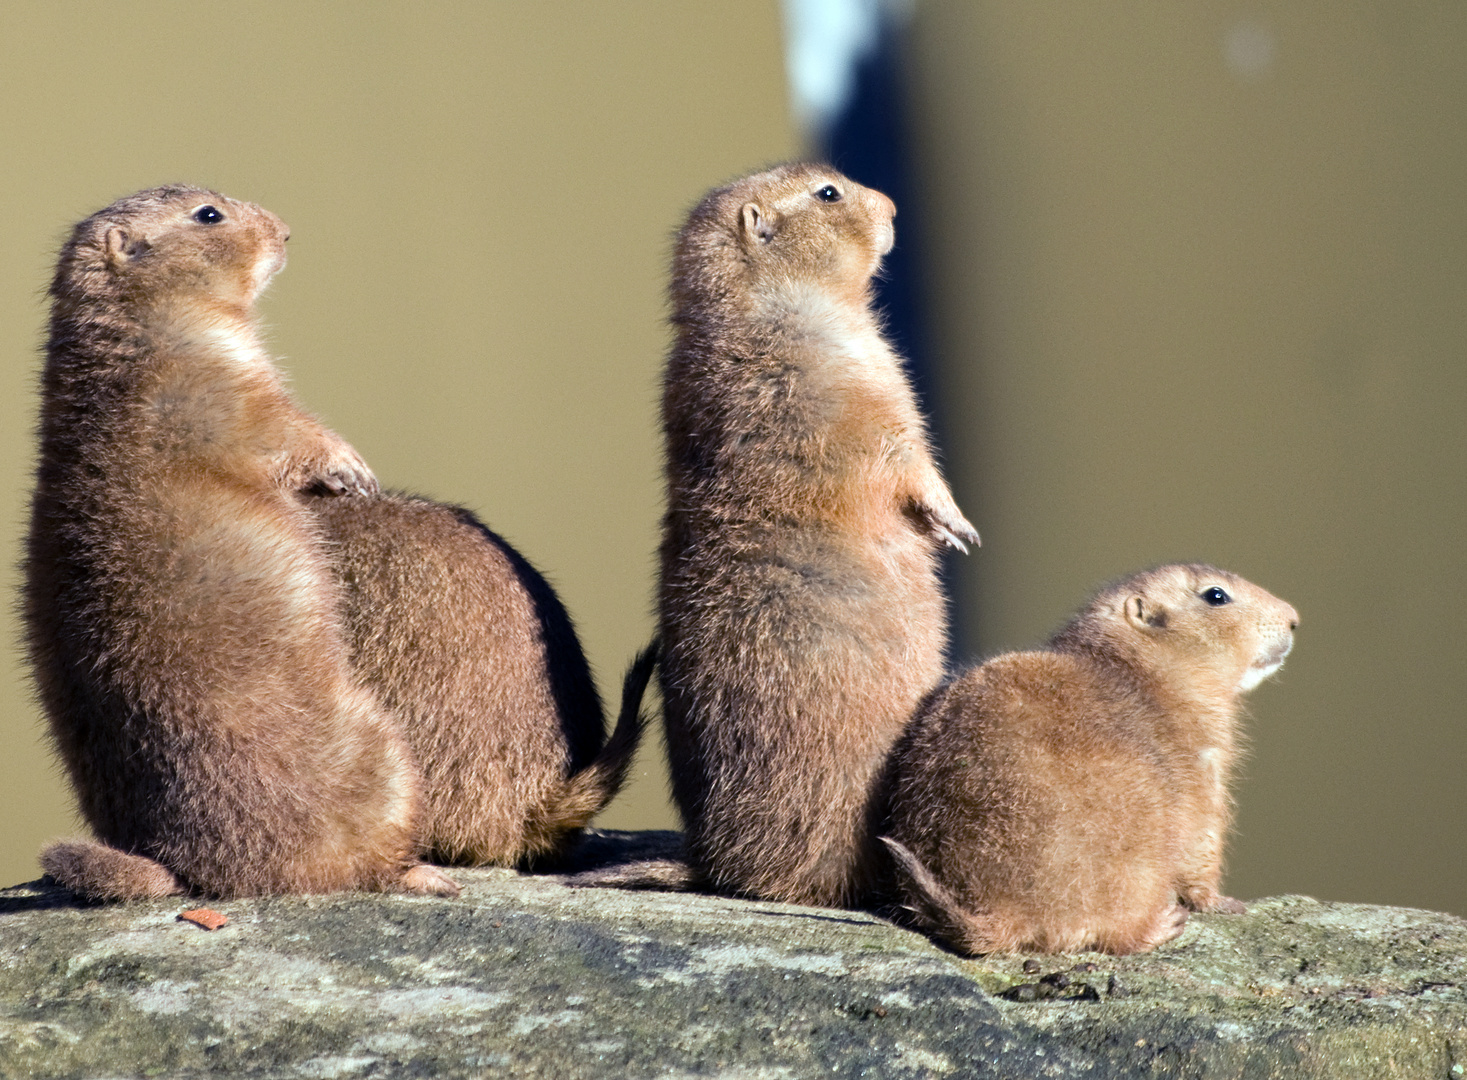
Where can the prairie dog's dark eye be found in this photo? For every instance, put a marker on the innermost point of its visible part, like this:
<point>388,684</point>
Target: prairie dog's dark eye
<point>1216,597</point>
<point>207,215</point>
<point>829,193</point>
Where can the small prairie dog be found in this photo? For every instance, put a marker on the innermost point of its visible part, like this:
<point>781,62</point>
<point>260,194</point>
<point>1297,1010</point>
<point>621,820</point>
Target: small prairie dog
<point>800,612</point>
<point>470,649</point>
<point>181,614</point>
<point>1076,797</point>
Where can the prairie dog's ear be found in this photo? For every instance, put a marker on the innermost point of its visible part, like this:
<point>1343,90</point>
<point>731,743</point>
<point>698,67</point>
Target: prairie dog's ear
<point>754,226</point>
<point>120,247</point>
<point>1145,615</point>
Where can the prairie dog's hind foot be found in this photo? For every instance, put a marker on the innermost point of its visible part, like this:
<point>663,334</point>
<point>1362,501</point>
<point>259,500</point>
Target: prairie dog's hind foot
<point>98,872</point>
<point>1170,923</point>
<point>425,880</point>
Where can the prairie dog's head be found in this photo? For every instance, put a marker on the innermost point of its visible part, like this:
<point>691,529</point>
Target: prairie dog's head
<point>175,250</point>
<point>1191,618</point>
<point>793,224</point>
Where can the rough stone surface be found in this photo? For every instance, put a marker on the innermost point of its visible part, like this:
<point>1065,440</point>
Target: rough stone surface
<point>524,976</point>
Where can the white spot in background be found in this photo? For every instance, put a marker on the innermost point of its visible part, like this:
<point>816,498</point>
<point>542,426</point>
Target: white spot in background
<point>1249,49</point>
<point>824,42</point>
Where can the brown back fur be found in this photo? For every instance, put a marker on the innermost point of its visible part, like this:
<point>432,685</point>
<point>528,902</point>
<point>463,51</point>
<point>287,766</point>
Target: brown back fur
<point>470,648</point>
<point>801,617</point>
<point>180,612</point>
<point>1071,797</point>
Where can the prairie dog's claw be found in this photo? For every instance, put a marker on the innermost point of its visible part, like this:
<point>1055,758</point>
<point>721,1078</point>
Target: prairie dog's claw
<point>345,476</point>
<point>948,538</point>
<point>951,529</point>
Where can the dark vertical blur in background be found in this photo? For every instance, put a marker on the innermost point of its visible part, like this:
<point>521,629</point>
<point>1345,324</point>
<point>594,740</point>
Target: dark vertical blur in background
<point>866,133</point>
<point>1182,282</point>
<point>867,138</point>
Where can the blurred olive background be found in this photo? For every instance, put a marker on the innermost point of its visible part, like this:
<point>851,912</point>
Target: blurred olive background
<point>1195,280</point>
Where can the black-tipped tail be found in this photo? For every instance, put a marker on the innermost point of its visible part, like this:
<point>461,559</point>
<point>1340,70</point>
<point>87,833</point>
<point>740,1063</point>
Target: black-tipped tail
<point>935,909</point>
<point>585,794</point>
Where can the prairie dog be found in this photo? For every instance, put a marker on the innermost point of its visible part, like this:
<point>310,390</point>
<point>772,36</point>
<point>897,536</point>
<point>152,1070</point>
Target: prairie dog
<point>471,650</point>
<point>181,615</point>
<point>800,613</point>
<point>1076,797</point>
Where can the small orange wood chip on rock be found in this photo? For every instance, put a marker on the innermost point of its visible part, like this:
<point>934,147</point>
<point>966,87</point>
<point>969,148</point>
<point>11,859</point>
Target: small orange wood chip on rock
<point>208,918</point>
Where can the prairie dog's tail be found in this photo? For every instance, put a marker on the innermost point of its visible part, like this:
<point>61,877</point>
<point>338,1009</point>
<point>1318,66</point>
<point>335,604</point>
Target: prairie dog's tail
<point>936,910</point>
<point>99,872</point>
<point>662,875</point>
<point>585,794</point>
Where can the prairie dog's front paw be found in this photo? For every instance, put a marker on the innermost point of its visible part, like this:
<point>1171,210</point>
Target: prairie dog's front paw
<point>339,471</point>
<point>946,523</point>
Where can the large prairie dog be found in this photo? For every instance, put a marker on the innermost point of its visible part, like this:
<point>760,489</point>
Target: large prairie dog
<point>801,615</point>
<point>471,650</point>
<point>181,615</point>
<point>1077,797</point>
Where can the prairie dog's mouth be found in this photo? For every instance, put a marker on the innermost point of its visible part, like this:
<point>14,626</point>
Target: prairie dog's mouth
<point>268,265</point>
<point>886,239</point>
<point>1269,659</point>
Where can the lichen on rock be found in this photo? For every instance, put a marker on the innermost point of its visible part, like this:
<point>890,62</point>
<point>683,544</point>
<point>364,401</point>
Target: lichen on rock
<point>525,976</point>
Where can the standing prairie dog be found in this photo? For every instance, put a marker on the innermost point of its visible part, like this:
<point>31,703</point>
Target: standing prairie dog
<point>181,614</point>
<point>471,650</point>
<point>801,616</point>
<point>1076,797</point>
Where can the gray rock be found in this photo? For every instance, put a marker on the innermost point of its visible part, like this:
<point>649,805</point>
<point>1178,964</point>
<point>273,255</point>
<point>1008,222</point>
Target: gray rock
<point>524,976</point>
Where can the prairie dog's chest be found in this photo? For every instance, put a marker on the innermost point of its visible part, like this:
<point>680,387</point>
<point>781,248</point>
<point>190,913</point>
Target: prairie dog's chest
<point>843,377</point>
<point>203,392</point>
